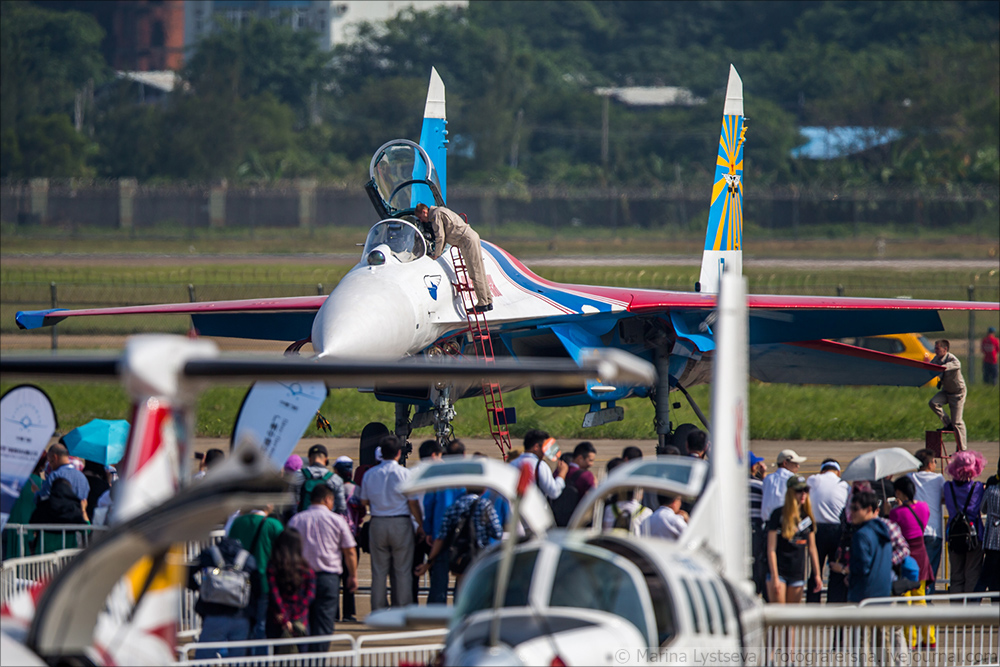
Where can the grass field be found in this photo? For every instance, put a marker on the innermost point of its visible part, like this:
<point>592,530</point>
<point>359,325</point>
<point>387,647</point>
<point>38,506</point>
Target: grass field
<point>777,412</point>
<point>524,240</point>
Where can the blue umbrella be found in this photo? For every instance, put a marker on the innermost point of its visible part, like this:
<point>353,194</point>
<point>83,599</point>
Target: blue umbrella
<point>99,440</point>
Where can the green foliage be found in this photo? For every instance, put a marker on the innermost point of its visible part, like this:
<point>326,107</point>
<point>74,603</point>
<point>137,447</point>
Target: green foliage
<point>46,57</point>
<point>44,146</point>
<point>257,58</point>
<point>262,103</point>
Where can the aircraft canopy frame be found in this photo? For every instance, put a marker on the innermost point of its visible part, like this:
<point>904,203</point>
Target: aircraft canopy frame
<point>402,175</point>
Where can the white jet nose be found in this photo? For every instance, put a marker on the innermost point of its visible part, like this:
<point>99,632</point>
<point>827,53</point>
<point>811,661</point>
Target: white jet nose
<point>365,316</point>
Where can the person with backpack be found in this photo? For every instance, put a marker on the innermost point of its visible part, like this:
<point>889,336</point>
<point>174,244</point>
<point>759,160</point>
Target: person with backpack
<point>466,529</point>
<point>625,512</point>
<point>311,476</point>
<point>579,480</point>
<point>256,532</point>
<point>228,584</point>
<point>535,442</point>
<point>963,496</point>
<point>435,506</point>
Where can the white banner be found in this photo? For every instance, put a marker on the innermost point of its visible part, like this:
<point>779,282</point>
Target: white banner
<point>277,414</point>
<point>28,422</point>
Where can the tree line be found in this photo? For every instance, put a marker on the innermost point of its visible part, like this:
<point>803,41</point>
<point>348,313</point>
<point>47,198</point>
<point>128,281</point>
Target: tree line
<point>260,102</point>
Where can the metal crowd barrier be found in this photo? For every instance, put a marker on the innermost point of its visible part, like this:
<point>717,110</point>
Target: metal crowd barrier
<point>352,652</point>
<point>18,574</point>
<point>32,539</point>
<point>885,634</point>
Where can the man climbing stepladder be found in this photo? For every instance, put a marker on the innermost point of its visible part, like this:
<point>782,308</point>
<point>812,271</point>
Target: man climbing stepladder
<point>449,227</point>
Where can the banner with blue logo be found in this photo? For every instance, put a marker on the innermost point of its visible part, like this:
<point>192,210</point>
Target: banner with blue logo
<point>28,422</point>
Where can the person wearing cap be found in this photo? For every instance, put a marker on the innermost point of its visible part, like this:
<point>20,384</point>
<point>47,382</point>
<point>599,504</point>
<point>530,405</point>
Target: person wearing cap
<point>391,534</point>
<point>774,485</point>
<point>828,495</point>
<point>791,536</point>
<point>549,483</point>
<point>952,392</point>
<point>292,465</point>
<point>317,469</point>
<point>758,538</point>
<point>990,347</point>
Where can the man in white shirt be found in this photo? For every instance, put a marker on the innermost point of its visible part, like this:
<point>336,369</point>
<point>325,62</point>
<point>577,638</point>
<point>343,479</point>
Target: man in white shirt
<point>828,494</point>
<point>775,484</point>
<point>929,485</point>
<point>668,521</point>
<point>391,534</point>
<point>535,442</point>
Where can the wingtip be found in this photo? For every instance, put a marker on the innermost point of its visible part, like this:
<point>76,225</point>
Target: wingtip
<point>33,319</point>
<point>435,105</point>
<point>734,93</point>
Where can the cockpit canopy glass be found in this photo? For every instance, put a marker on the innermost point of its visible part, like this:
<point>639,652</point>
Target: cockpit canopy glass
<point>403,239</point>
<point>404,176</point>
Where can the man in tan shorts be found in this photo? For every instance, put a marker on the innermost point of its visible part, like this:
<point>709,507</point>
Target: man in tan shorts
<point>952,391</point>
<point>449,227</point>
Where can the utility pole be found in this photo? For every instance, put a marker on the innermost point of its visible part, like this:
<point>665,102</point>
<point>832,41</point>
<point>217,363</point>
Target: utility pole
<point>604,131</point>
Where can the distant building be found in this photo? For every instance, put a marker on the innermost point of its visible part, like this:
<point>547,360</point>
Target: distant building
<point>652,96</point>
<point>157,35</point>
<point>828,143</point>
<point>140,35</point>
<point>332,19</point>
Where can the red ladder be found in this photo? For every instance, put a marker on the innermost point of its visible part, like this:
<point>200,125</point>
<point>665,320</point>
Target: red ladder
<point>480,331</point>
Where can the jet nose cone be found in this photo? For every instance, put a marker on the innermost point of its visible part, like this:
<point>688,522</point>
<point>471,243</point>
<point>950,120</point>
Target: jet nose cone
<point>367,317</point>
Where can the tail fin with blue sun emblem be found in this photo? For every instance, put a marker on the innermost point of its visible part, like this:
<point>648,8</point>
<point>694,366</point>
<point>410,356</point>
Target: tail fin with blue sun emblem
<point>724,238</point>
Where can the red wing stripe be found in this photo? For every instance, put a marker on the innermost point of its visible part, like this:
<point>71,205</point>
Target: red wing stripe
<point>864,353</point>
<point>285,304</point>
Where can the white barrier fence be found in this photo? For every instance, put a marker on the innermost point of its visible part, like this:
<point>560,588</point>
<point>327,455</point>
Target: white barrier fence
<point>18,574</point>
<point>346,651</point>
<point>885,632</point>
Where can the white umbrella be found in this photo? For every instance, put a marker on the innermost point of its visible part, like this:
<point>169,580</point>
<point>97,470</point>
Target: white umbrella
<point>880,463</point>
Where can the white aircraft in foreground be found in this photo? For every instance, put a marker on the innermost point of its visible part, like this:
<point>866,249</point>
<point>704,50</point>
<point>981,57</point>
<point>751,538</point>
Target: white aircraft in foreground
<point>398,302</point>
<point>579,596</point>
<point>568,597</point>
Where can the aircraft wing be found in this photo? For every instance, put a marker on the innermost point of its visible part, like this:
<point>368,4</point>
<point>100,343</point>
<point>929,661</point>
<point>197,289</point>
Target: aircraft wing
<point>284,318</point>
<point>829,362</point>
<point>790,318</point>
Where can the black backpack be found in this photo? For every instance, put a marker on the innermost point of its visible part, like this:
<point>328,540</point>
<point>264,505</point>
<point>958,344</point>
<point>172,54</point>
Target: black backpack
<point>563,506</point>
<point>308,484</point>
<point>462,541</point>
<point>623,518</point>
<point>962,535</point>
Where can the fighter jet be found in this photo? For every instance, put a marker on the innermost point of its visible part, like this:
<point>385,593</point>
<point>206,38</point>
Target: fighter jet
<point>398,302</point>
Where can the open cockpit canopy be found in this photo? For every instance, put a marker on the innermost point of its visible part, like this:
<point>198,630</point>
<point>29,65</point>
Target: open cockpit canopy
<point>402,175</point>
<point>396,238</point>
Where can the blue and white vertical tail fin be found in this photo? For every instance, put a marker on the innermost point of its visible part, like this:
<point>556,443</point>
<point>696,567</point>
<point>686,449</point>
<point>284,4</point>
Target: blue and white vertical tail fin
<point>719,522</point>
<point>434,135</point>
<point>724,238</point>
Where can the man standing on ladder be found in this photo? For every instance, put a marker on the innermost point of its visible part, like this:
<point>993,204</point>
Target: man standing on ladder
<point>449,227</point>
